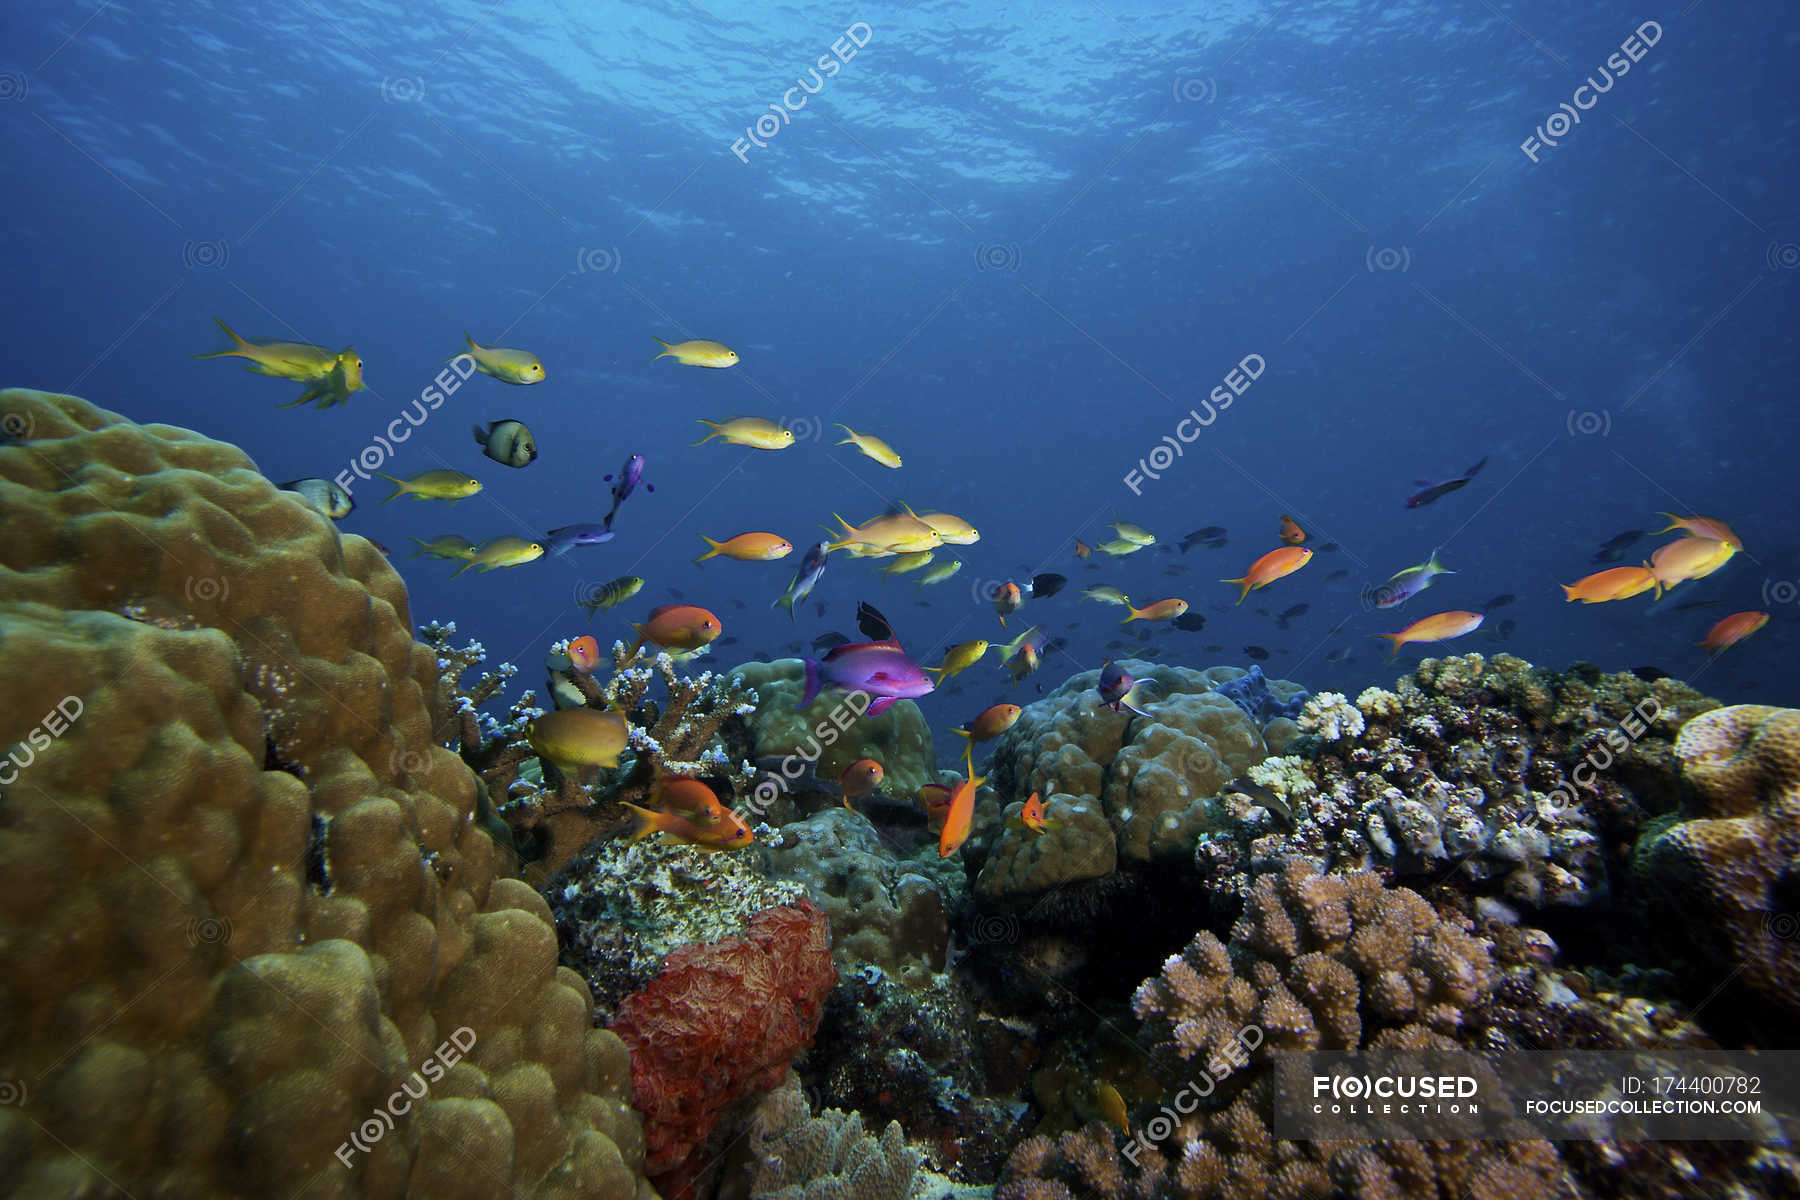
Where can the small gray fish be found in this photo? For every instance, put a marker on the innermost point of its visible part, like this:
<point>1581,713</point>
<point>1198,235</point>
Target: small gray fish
<point>1245,786</point>
<point>507,442</point>
<point>323,494</point>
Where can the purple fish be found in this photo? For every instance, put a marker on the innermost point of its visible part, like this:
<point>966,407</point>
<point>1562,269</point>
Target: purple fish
<point>880,669</point>
<point>1437,491</point>
<point>806,576</point>
<point>558,541</point>
<point>1117,688</point>
<point>630,475</point>
<point>1408,583</point>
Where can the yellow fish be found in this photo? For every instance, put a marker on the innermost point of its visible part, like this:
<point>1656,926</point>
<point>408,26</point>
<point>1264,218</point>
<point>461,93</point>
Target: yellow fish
<point>298,361</point>
<point>1107,595</point>
<point>574,738</point>
<point>755,432</point>
<point>434,485</point>
<point>909,562</point>
<point>871,446</point>
<point>1137,535</point>
<point>697,353</point>
<point>506,551</point>
<point>344,378</point>
<point>938,574</point>
<point>508,366</point>
<point>953,529</point>
<point>1112,1105</point>
<point>898,533</point>
<point>445,545</point>
<point>1120,547</point>
<point>959,658</point>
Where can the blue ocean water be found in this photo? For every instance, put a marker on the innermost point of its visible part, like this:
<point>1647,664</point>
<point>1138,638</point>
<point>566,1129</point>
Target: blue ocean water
<point>1020,244</point>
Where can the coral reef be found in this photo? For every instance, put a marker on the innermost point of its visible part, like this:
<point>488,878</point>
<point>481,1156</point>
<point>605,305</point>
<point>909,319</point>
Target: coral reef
<point>553,815</point>
<point>620,909</point>
<point>1156,777</point>
<point>792,1155</point>
<point>247,903</point>
<point>1020,862</point>
<point>898,739</point>
<point>720,1022</point>
<point>1726,872</point>
<point>1512,779</point>
<point>885,911</point>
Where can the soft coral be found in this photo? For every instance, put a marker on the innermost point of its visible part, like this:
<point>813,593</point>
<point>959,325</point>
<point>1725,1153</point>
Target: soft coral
<point>719,1022</point>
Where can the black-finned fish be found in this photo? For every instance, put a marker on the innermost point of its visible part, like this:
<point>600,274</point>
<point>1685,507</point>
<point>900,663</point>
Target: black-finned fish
<point>324,496</point>
<point>1432,492</point>
<point>1190,621</point>
<point>806,577</point>
<point>1243,785</point>
<point>1650,674</point>
<point>1298,610</point>
<point>507,442</point>
<point>1500,601</point>
<point>1212,537</point>
<point>1256,653</point>
<point>608,594</point>
<point>829,641</point>
<point>873,625</point>
<point>1046,585</point>
<point>1613,549</point>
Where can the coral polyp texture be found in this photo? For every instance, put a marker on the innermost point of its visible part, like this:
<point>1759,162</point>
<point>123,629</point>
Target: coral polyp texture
<point>1727,869</point>
<point>254,935</point>
<point>720,1022</point>
<point>1509,778</point>
<point>1155,778</point>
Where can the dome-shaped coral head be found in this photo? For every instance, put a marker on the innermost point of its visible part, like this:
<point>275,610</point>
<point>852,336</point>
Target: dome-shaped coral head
<point>1733,755</point>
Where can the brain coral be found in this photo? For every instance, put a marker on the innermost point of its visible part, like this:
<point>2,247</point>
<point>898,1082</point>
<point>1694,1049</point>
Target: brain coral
<point>1730,872</point>
<point>898,739</point>
<point>244,901</point>
<point>1157,787</point>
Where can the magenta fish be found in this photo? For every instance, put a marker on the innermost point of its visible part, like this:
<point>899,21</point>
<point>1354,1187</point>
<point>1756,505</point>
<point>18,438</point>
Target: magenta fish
<point>880,669</point>
<point>1118,689</point>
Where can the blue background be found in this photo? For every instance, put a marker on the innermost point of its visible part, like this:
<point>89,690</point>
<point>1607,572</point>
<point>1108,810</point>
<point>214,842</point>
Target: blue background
<point>1018,244</point>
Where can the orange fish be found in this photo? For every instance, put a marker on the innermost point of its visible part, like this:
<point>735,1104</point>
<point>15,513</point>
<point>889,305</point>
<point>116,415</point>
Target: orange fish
<point>1007,599</point>
<point>1439,627</point>
<point>1082,549</point>
<point>1032,817</point>
<point>991,723</point>
<point>1732,630</point>
<point>584,655</point>
<point>692,801</point>
<point>731,835</point>
<point>749,547</point>
<point>1162,610</point>
<point>1704,527</point>
<point>683,626</point>
<point>934,799</point>
<point>1270,567</point>
<point>961,813</point>
<point>1291,533</point>
<point>859,779</point>
<point>1614,583</point>
<point>1689,558</point>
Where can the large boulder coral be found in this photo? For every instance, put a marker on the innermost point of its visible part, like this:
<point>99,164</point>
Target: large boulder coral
<point>1155,777</point>
<point>246,900</point>
<point>1727,871</point>
<point>898,739</point>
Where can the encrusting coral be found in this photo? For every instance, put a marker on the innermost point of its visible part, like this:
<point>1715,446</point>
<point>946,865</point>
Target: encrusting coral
<point>789,1154</point>
<point>248,912</point>
<point>719,1023</point>
<point>1727,872</point>
<point>1512,779</point>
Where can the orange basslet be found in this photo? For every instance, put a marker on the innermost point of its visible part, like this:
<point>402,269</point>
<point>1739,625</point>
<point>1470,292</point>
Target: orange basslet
<point>1732,630</point>
<point>683,626</point>
<point>1270,567</point>
<point>1689,558</point>
<point>1291,533</point>
<point>1614,583</point>
<point>1439,627</point>
<point>1704,527</point>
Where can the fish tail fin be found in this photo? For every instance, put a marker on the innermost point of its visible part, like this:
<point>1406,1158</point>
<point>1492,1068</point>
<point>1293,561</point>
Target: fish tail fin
<point>1570,592</point>
<point>849,441</point>
<point>812,683</point>
<point>460,569</point>
<point>399,487</point>
<point>637,645</point>
<point>238,344</point>
<point>1674,521</point>
<point>646,822</point>
<point>713,553</point>
<point>1658,584</point>
<point>965,734</point>
<point>668,351</point>
<point>712,425</point>
<point>1245,580</point>
<point>480,435</point>
<point>1434,566</point>
<point>1399,640</point>
<point>1133,615</point>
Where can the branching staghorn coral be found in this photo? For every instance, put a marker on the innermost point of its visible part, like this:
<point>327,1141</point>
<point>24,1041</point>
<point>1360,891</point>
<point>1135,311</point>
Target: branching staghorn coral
<point>553,812</point>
